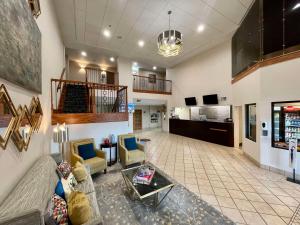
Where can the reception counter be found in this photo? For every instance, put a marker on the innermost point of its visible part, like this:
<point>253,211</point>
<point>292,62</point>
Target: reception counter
<point>210,131</point>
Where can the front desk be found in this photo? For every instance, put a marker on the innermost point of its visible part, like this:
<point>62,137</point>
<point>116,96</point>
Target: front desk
<point>210,131</point>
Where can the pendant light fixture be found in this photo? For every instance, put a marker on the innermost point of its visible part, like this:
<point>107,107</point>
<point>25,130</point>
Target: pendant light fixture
<point>170,41</point>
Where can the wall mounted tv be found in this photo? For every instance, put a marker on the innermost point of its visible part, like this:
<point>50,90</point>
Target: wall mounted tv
<point>210,99</point>
<point>190,101</point>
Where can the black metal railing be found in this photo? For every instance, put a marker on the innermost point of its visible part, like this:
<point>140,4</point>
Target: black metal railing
<point>151,85</point>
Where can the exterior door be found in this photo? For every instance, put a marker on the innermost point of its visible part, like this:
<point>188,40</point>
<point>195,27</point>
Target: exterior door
<point>137,119</point>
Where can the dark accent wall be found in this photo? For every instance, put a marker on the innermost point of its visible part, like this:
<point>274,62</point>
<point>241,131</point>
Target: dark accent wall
<point>246,41</point>
<point>271,28</point>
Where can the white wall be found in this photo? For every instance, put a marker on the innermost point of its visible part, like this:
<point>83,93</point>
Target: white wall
<point>126,78</point>
<point>247,91</point>
<point>75,72</point>
<point>52,64</point>
<point>278,82</point>
<point>207,73</point>
<point>147,110</point>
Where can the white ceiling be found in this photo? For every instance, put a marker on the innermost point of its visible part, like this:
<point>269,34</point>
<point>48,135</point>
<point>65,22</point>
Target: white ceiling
<point>83,21</point>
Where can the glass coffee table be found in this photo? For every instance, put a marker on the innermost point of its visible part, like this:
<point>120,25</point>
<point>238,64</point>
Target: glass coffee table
<point>159,185</point>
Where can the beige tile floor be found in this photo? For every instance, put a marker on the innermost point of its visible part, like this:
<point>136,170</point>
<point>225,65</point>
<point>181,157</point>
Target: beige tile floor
<point>224,178</point>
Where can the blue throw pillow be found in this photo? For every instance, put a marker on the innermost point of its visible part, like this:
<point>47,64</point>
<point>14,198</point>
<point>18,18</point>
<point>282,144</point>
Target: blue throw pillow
<point>87,151</point>
<point>59,190</point>
<point>130,143</point>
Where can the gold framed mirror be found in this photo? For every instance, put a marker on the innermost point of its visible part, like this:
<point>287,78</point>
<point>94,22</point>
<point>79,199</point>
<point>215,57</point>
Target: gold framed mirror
<point>8,117</point>
<point>36,113</point>
<point>23,130</point>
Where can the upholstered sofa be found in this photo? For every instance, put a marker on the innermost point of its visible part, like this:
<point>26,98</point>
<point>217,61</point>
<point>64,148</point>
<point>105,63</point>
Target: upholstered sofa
<point>130,157</point>
<point>96,164</point>
<point>27,202</point>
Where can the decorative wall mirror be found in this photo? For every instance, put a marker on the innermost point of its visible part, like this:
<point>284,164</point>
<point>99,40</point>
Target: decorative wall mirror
<point>36,113</point>
<point>23,130</point>
<point>8,117</point>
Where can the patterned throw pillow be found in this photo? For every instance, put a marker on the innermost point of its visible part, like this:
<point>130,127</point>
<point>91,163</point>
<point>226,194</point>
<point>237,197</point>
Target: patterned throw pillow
<point>72,180</point>
<point>64,169</point>
<point>57,212</point>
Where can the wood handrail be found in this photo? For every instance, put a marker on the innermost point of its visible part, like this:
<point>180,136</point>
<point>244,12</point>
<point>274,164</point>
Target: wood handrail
<point>264,63</point>
<point>150,78</point>
<point>61,77</point>
<point>89,83</point>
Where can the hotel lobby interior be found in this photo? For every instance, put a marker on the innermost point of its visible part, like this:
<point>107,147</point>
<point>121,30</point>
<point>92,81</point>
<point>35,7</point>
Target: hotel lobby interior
<point>153,112</point>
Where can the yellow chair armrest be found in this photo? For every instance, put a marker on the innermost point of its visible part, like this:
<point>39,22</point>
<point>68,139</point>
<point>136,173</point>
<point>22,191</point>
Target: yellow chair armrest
<point>123,153</point>
<point>100,154</point>
<point>75,158</point>
<point>140,146</point>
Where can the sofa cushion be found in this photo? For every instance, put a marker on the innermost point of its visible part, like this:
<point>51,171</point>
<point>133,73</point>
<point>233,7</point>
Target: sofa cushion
<point>79,208</point>
<point>86,186</point>
<point>33,190</point>
<point>136,156</point>
<point>130,143</point>
<point>95,216</point>
<point>87,151</point>
<point>95,163</point>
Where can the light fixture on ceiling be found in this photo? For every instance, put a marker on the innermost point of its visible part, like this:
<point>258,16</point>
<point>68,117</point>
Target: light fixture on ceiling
<point>169,42</point>
<point>154,67</point>
<point>296,6</point>
<point>83,53</point>
<point>135,63</point>
<point>141,43</point>
<point>106,33</point>
<point>201,28</point>
<point>112,59</point>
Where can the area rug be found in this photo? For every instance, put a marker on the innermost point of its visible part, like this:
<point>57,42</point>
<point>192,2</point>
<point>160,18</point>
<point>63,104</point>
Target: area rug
<point>180,207</point>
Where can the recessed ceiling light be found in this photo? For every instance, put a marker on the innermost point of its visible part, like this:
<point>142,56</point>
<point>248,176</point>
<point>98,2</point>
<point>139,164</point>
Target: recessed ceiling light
<point>83,53</point>
<point>106,33</point>
<point>141,43</point>
<point>296,6</point>
<point>135,63</point>
<point>201,28</point>
<point>112,59</point>
<point>154,67</point>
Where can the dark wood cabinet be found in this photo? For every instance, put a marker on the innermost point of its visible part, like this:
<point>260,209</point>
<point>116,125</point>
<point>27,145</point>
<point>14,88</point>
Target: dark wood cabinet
<point>215,132</point>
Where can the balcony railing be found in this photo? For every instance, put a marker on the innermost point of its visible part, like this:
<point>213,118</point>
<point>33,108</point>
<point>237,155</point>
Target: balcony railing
<point>152,85</point>
<point>84,102</point>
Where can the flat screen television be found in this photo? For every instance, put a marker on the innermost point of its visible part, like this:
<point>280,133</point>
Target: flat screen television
<point>210,99</point>
<point>190,101</point>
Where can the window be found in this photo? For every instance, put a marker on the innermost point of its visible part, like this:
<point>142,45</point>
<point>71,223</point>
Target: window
<point>285,123</point>
<point>251,122</point>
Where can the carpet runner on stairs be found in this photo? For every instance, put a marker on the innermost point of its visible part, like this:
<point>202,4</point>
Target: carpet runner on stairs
<point>76,99</point>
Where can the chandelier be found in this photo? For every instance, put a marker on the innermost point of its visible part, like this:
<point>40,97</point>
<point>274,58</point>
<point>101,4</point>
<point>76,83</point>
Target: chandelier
<point>169,42</point>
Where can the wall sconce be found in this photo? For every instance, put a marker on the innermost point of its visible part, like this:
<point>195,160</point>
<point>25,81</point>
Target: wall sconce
<point>61,136</point>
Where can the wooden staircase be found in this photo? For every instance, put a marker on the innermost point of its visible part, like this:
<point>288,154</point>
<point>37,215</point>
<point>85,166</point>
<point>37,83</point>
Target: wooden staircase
<point>84,102</point>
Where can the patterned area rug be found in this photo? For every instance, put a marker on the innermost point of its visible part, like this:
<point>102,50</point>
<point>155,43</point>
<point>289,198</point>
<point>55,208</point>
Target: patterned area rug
<point>180,207</point>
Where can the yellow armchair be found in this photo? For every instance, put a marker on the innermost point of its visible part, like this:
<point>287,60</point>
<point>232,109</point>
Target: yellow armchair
<point>130,157</point>
<point>95,164</point>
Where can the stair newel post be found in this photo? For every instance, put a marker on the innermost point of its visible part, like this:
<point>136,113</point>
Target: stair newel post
<point>94,100</point>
